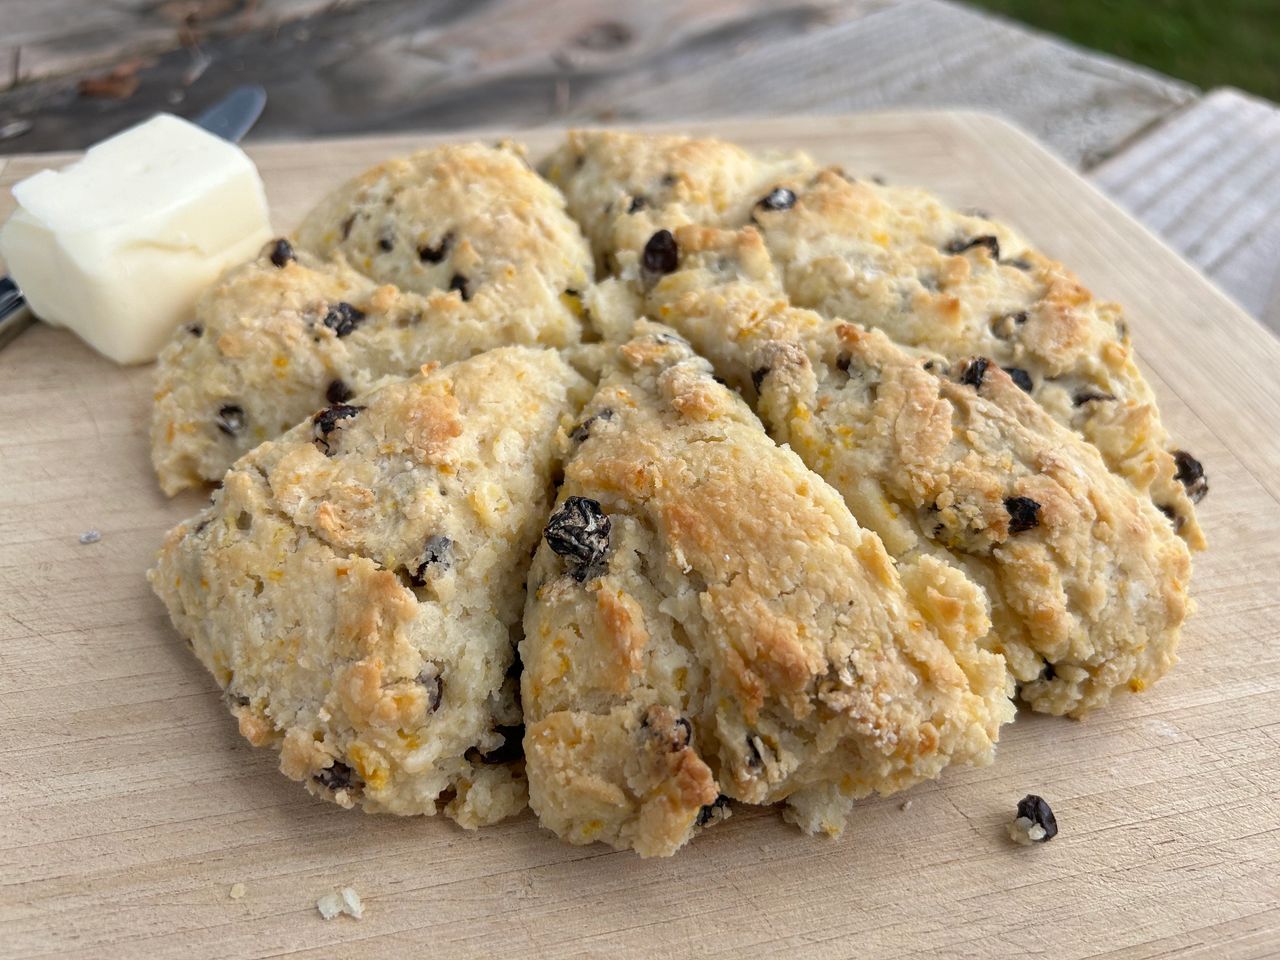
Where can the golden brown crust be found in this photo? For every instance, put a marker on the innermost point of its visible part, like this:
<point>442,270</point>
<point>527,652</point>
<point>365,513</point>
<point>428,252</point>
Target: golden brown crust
<point>463,217</point>
<point>1087,581</point>
<point>740,634</point>
<point>278,338</point>
<point>622,187</point>
<point>898,260</point>
<point>353,585</point>
<point>785,649</point>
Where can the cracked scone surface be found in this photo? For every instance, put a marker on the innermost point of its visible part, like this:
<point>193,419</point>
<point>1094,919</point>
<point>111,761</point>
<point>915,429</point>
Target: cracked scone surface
<point>622,187</point>
<point>1087,580</point>
<point>371,287</point>
<point>729,629</point>
<point>354,584</point>
<point>464,217</point>
<point>901,261</point>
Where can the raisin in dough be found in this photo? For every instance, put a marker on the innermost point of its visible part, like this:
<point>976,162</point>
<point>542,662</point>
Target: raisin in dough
<point>705,618</point>
<point>354,584</point>
<point>901,261</point>
<point>1087,580</point>
<point>279,337</point>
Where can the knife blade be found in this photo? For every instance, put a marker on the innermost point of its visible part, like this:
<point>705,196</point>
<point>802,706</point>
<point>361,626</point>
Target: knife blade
<point>235,114</point>
<point>230,118</point>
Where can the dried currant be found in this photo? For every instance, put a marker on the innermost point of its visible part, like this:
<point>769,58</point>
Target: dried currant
<point>430,254</point>
<point>459,282</point>
<point>1024,513</point>
<point>1020,377</point>
<point>231,419</point>
<point>962,244</point>
<point>337,392</point>
<point>713,812</point>
<point>974,371</point>
<point>779,198</point>
<point>677,736</point>
<point>661,255</point>
<point>757,377</point>
<point>342,318</point>
<point>1089,395</point>
<point>282,253</point>
<point>1173,516</point>
<point>511,748</point>
<point>429,678</point>
<point>1034,822</point>
<point>338,777</point>
<point>579,532</point>
<point>1004,326</point>
<point>843,360</point>
<point>386,241</point>
<point>583,430</point>
<point>437,558</point>
<point>326,421</point>
<point>1191,475</point>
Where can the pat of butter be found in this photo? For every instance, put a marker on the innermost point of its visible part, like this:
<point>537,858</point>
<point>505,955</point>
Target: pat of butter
<point>118,246</point>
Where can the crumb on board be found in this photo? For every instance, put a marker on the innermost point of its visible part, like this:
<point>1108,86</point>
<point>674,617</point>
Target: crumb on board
<point>345,901</point>
<point>905,805</point>
<point>237,891</point>
<point>90,536</point>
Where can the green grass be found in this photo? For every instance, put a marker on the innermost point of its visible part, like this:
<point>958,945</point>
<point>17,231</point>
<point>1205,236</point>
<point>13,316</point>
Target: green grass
<point>1210,43</point>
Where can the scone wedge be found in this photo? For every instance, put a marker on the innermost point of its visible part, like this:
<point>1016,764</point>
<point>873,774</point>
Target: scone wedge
<point>898,260</point>
<point>1087,580</point>
<point>355,584</point>
<point>429,258</point>
<point>705,620</point>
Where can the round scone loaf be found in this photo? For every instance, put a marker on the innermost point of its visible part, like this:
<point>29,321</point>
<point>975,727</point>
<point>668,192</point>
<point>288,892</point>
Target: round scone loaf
<point>706,620</point>
<point>897,260</point>
<point>354,585</point>
<point>435,257</point>
<point>1087,580</point>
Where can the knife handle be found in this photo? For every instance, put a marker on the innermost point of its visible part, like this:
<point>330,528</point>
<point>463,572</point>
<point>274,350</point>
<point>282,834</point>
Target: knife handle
<point>14,315</point>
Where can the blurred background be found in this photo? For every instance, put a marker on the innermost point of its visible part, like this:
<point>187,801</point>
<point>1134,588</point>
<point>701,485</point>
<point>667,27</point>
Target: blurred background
<point>1211,43</point>
<point>1168,105</point>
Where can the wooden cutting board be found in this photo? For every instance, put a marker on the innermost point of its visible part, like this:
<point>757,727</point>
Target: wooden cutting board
<point>131,806</point>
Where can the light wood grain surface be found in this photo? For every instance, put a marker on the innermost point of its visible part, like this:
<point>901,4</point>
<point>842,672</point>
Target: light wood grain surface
<point>131,806</point>
<point>1208,181</point>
